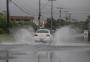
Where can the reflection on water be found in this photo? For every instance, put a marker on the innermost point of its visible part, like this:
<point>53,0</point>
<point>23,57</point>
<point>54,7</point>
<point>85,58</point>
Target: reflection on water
<point>57,56</point>
<point>63,56</point>
<point>63,35</point>
<point>69,35</point>
<point>69,56</point>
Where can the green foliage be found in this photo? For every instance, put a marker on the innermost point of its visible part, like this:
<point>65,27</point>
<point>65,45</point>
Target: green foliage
<point>2,31</point>
<point>48,25</point>
<point>2,21</point>
<point>82,25</point>
<point>87,21</point>
<point>13,24</point>
<point>3,24</point>
<point>55,23</point>
<point>60,22</point>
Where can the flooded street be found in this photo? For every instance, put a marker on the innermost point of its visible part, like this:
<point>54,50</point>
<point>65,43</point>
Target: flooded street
<point>63,48</point>
<point>44,30</point>
<point>63,55</point>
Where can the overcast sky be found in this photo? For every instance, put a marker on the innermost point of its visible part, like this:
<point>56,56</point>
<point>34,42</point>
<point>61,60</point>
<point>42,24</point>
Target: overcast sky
<point>79,8</point>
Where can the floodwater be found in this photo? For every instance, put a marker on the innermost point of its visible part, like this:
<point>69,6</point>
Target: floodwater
<point>64,35</point>
<point>48,56</point>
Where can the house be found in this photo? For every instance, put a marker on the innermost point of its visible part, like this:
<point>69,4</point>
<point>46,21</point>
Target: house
<point>21,19</point>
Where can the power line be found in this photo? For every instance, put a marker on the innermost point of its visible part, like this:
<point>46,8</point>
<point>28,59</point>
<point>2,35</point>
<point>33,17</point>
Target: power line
<point>74,9</point>
<point>28,10</point>
<point>45,5</point>
<point>22,9</point>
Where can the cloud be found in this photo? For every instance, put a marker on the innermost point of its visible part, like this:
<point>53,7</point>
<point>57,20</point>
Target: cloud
<point>32,5</point>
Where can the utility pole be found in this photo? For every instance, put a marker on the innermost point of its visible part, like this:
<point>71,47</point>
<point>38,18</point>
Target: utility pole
<point>60,11</point>
<point>69,16</point>
<point>51,11</point>
<point>66,15</point>
<point>7,7</point>
<point>51,54</point>
<point>39,16</point>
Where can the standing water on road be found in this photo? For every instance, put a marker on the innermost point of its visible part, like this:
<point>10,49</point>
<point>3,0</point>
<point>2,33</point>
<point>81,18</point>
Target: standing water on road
<point>67,35</point>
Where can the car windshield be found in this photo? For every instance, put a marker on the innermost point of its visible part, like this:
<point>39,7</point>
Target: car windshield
<point>42,31</point>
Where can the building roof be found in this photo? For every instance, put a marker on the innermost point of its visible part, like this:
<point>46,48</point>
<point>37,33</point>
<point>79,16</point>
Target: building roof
<point>21,17</point>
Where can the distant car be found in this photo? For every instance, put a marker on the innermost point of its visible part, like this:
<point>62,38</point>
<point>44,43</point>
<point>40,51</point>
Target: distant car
<point>43,35</point>
<point>85,34</point>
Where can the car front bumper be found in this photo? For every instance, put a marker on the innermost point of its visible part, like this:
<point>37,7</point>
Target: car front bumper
<point>46,40</point>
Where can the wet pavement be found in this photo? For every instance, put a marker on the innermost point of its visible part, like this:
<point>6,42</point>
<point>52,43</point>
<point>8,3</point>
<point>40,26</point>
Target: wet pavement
<point>28,55</point>
<point>63,53</point>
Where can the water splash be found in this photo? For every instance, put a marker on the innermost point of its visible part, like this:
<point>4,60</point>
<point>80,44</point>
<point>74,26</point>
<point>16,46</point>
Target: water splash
<point>66,35</point>
<point>24,35</point>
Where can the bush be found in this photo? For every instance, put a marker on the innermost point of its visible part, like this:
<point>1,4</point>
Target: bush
<point>2,31</point>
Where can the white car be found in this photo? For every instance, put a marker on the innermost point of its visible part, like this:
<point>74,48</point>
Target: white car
<point>43,35</point>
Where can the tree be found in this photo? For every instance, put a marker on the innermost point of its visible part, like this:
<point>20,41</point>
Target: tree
<point>82,25</point>
<point>3,24</point>
<point>87,22</point>
<point>88,27</point>
<point>55,23</point>
<point>60,22</point>
<point>48,24</point>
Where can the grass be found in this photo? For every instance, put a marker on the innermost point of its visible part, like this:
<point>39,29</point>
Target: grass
<point>6,38</point>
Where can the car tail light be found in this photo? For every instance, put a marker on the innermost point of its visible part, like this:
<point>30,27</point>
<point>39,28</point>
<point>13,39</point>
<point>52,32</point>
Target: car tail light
<point>48,35</point>
<point>35,35</point>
